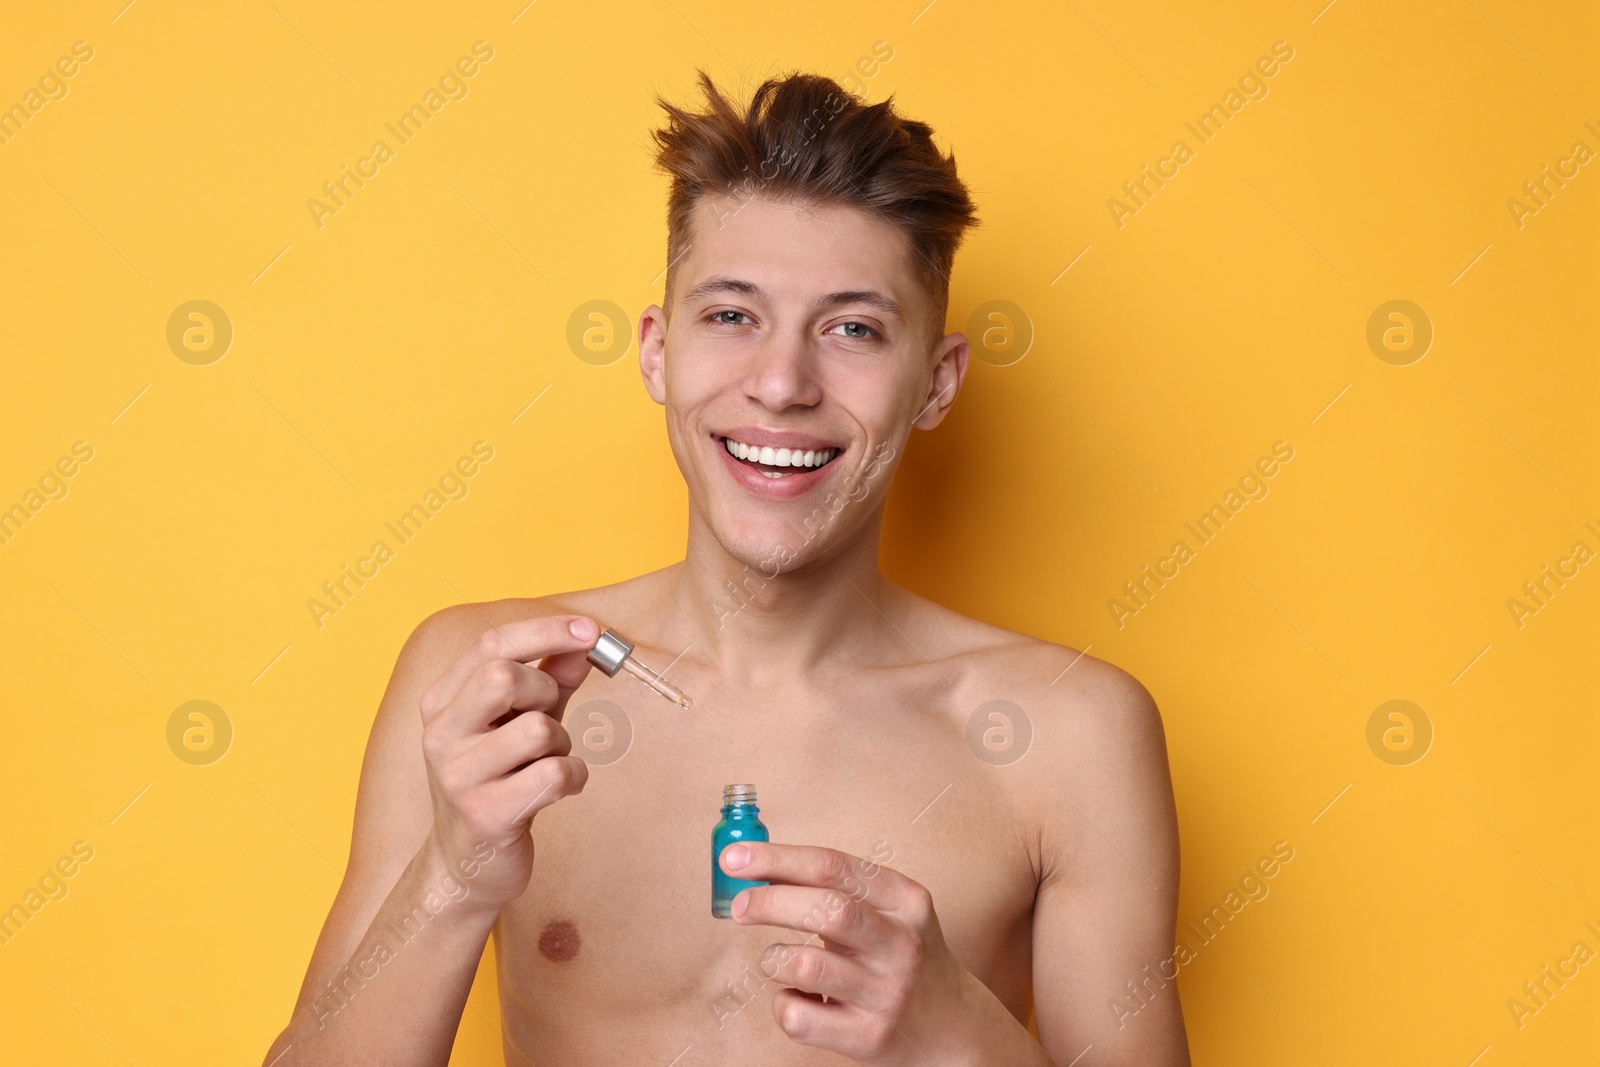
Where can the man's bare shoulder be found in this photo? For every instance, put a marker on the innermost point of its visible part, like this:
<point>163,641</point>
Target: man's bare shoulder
<point>1085,706</point>
<point>1095,738</point>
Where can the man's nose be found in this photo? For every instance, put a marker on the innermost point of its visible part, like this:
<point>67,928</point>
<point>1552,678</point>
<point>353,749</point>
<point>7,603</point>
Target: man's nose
<point>783,374</point>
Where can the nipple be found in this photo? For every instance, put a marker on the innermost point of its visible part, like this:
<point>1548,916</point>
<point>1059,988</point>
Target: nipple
<point>559,942</point>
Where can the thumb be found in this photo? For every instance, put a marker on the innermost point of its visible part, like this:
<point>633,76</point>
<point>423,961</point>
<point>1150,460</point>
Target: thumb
<point>569,669</point>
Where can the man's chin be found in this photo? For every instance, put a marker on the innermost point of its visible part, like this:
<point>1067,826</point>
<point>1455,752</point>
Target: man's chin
<point>769,548</point>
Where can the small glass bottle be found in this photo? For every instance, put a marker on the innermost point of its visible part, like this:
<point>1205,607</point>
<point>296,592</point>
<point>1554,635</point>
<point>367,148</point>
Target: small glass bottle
<point>741,821</point>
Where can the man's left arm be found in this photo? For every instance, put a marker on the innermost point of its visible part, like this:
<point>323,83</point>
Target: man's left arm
<point>1104,971</point>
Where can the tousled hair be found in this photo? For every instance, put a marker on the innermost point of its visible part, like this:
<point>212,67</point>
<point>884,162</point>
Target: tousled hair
<point>805,139</point>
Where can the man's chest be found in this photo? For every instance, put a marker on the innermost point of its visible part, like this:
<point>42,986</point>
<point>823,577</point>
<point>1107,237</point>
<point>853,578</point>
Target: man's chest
<point>617,916</point>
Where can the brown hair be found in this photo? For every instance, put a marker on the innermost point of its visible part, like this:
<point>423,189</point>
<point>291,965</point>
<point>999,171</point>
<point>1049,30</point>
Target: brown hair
<point>805,139</point>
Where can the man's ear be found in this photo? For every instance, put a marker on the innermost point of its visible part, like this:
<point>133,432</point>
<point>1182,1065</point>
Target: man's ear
<point>652,352</point>
<point>949,371</point>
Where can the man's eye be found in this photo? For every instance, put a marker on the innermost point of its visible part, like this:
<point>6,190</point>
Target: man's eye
<point>864,333</point>
<point>715,316</point>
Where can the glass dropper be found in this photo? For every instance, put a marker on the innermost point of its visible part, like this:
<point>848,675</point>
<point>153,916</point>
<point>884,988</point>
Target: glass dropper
<point>612,653</point>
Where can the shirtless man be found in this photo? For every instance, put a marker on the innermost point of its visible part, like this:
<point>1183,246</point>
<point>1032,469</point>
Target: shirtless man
<point>943,869</point>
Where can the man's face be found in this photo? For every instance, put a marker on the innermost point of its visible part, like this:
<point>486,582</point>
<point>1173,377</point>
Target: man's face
<point>799,329</point>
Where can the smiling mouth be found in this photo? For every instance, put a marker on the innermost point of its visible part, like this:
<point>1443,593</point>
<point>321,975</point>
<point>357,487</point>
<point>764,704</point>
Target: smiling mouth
<point>778,463</point>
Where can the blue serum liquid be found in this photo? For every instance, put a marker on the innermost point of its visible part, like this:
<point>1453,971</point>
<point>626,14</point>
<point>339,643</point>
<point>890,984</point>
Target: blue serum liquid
<point>741,821</point>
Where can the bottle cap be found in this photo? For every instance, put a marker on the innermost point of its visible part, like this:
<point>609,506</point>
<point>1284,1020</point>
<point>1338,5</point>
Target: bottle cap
<point>609,652</point>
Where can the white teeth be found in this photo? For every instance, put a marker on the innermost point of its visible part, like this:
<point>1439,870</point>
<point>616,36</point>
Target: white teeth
<point>780,457</point>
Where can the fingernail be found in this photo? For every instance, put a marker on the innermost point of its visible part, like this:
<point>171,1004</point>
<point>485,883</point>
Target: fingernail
<point>734,857</point>
<point>584,629</point>
<point>739,903</point>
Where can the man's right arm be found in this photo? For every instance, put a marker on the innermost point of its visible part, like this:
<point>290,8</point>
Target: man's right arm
<point>440,838</point>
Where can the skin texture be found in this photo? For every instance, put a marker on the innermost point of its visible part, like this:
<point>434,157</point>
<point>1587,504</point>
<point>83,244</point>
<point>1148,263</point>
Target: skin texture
<point>937,898</point>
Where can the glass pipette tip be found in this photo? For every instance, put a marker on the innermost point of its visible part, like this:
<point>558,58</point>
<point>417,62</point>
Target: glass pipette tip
<point>612,652</point>
<point>656,682</point>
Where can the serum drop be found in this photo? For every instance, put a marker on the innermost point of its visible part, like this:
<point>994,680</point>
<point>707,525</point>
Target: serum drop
<point>741,821</point>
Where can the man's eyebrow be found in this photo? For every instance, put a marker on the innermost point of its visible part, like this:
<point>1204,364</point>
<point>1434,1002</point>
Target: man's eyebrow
<point>870,297</point>
<point>719,284</point>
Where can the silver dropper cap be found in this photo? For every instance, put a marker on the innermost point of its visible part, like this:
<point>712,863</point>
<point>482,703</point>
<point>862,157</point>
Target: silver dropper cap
<point>609,652</point>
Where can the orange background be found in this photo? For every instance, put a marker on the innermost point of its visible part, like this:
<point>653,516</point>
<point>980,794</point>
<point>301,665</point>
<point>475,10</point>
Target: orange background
<point>1164,356</point>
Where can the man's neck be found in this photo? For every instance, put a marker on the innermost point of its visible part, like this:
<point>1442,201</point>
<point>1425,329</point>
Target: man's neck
<point>765,624</point>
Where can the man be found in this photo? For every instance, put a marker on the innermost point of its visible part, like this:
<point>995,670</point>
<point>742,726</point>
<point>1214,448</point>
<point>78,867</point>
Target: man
<point>972,828</point>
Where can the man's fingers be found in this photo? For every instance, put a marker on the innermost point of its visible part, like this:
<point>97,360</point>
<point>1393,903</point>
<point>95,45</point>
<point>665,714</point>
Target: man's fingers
<point>529,736</point>
<point>519,797</point>
<point>814,969</point>
<point>829,913</point>
<point>806,1021</point>
<point>525,641</point>
<point>569,669</point>
<point>497,692</point>
<point>825,868</point>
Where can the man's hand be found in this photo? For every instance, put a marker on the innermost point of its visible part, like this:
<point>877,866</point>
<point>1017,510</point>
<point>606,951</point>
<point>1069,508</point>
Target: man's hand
<point>896,994</point>
<point>495,748</point>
